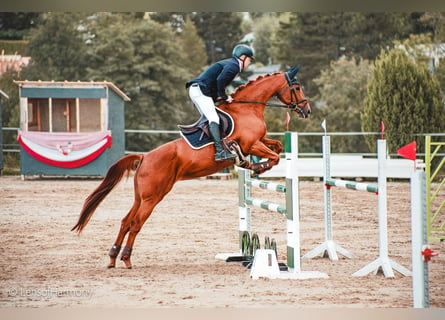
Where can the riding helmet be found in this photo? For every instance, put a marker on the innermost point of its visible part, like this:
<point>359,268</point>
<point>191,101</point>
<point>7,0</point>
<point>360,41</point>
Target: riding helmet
<point>241,49</point>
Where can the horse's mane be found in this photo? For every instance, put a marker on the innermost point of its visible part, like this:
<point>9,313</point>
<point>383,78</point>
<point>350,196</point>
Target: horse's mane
<point>251,82</point>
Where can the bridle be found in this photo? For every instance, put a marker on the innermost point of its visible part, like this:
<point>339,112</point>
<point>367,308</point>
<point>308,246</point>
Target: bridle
<point>293,85</point>
<point>294,105</point>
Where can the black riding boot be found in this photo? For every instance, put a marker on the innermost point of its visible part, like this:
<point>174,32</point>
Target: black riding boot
<point>220,153</point>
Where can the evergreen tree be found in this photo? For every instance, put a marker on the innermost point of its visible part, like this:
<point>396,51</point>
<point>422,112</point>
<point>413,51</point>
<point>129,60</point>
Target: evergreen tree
<point>406,98</point>
<point>440,75</point>
<point>16,25</point>
<point>314,39</point>
<point>176,20</point>
<point>221,31</point>
<point>193,47</point>
<point>365,34</point>
<point>57,49</point>
<point>264,29</point>
<point>342,92</point>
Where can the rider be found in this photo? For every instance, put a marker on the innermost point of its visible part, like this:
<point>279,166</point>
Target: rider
<point>209,87</point>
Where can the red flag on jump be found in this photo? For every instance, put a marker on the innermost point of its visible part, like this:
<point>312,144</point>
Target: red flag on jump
<point>382,130</point>
<point>408,151</point>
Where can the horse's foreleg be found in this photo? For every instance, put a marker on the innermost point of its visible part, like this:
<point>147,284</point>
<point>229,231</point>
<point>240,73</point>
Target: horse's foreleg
<point>259,149</point>
<point>274,145</point>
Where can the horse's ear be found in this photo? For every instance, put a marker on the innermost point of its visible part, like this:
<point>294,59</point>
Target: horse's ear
<point>292,72</point>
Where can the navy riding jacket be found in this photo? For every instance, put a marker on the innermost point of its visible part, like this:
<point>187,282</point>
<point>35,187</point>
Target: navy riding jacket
<point>216,78</point>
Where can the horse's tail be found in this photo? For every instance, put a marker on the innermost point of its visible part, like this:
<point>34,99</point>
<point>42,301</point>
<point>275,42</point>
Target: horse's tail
<point>112,178</point>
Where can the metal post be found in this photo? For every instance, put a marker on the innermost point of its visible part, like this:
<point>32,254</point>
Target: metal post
<point>419,239</point>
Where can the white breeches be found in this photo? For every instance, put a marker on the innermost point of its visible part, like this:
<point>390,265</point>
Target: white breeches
<point>203,103</point>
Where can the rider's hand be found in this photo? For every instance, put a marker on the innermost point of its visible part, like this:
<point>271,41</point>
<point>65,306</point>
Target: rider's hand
<point>229,99</point>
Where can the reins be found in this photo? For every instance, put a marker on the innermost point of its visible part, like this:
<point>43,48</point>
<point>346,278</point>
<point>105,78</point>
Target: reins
<point>270,104</point>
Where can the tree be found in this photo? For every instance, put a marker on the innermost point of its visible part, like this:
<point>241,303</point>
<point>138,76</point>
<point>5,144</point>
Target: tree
<point>176,20</point>
<point>315,39</point>
<point>440,75</point>
<point>193,47</point>
<point>367,33</point>
<point>16,25</point>
<point>342,92</point>
<point>304,40</point>
<point>264,29</point>
<point>10,114</point>
<point>221,31</point>
<point>57,49</point>
<point>146,61</point>
<point>406,97</point>
<point>435,21</point>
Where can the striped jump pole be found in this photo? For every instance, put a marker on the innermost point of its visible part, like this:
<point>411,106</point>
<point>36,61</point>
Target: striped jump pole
<point>351,185</point>
<point>328,247</point>
<point>290,211</point>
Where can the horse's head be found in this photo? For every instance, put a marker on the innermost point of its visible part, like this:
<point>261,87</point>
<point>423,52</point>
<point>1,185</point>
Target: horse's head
<point>293,96</point>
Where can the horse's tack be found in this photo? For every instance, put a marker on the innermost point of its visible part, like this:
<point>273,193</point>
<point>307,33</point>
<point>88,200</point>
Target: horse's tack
<point>197,135</point>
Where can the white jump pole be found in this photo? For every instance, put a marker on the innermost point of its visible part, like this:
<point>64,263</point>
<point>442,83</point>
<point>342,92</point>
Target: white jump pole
<point>328,247</point>
<point>382,262</point>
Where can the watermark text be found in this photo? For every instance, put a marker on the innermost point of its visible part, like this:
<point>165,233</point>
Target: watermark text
<point>49,292</point>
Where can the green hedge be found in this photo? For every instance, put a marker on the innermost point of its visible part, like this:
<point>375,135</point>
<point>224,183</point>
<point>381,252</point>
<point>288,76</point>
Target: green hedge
<point>13,47</point>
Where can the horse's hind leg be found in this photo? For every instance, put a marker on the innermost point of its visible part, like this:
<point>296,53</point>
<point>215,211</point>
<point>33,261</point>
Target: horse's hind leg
<point>125,227</point>
<point>134,226</point>
<point>154,179</point>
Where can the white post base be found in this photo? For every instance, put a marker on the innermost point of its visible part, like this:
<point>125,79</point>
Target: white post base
<point>387,265</point>
<point>330,248</point>
<point>265,265</point>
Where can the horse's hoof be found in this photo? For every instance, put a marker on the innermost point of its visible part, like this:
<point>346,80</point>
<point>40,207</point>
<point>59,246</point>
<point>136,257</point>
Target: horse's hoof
<point>110,266</point>
<point>130,267</point>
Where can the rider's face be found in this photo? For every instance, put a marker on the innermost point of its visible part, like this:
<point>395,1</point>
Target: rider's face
<point>247,61</point>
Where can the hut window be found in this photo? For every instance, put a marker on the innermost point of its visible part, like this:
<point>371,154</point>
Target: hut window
<point>38,114</point>
<point>64,115</point>
<point>90,115</point>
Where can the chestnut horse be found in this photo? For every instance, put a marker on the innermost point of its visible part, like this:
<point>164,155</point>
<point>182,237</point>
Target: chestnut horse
<point>157,171</point>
